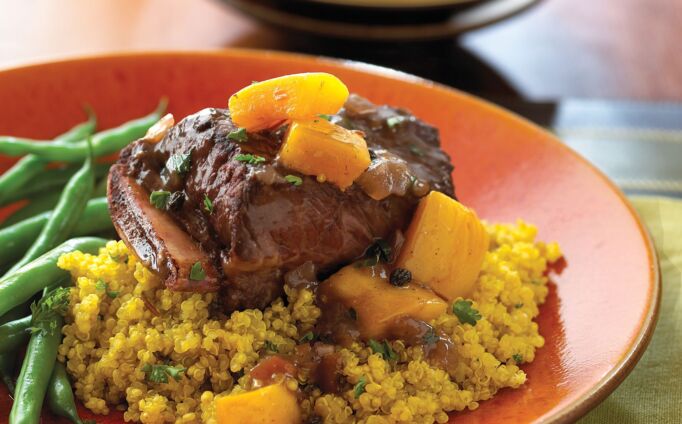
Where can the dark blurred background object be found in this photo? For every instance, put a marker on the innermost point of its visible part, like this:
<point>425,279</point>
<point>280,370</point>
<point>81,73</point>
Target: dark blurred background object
<point>605,75</point>
<point>381,20</point>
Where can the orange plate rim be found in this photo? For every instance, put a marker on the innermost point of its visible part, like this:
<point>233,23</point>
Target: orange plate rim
<point>569,412</point>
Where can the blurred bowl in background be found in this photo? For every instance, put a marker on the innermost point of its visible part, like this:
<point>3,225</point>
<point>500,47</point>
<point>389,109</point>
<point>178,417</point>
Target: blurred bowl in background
<point>382,20</point>
<point>383,4</point>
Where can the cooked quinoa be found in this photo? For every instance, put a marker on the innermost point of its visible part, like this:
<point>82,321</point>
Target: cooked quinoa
<point>122,319</point>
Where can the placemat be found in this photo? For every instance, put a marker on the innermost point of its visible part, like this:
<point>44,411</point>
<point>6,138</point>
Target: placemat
<point>652,393</point>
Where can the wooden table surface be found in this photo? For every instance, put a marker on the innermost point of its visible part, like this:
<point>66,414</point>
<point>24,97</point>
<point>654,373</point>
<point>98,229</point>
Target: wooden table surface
<point>560,48</point>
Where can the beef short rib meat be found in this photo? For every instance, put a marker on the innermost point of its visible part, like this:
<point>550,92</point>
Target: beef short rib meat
<point>224,224</point>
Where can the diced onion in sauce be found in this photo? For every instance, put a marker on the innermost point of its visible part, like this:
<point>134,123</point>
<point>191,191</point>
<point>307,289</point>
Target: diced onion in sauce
<point>387,174</point>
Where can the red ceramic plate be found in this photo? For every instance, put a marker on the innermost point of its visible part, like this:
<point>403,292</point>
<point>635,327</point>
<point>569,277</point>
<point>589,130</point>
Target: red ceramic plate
<point>603,303</point>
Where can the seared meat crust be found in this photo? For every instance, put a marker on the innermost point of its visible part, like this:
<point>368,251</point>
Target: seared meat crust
<point>261,225</point>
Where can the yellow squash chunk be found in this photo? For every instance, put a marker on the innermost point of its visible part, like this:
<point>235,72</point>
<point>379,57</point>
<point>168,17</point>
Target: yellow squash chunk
<point>376,302</point>
<point>444,246</point>
<point>328,151</point>
<point>274,404</point>
<point>299,96</point>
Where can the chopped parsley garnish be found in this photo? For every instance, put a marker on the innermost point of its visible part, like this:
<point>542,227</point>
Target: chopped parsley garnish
<point>307,337</point>
<point>179,163</point>
<point>384,349</point>
<point>197,273</point>
<point>158,373</point>
<point>208,204</point>
<point>47,309</point>
<point>353,314</point>
<point>360,387</point>
<point>400,277</point>
<point>465,313</point>
<point>430,337</point>
<point>101,285</point>
<point>159,198</point>
<point>518,305</point>
<point>379,251</point>
<point>517,358</point>
<point>293,179</point>
<point>325,116</point>
<point>249,158</point>
<point>394,121</point>
<point>270,346</point>
<point>239,135</point>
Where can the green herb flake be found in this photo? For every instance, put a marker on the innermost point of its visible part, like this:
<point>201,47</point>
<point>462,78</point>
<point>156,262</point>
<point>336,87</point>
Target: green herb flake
<point>121,259</point>
<point>376,346</point>
<point>325,116</point>
<point>465,313</point>
<point>383,348</point>
<point>430,337</point>
<point>394,121</point>
<point>517,358</point>
<point>197,273</point>
<point>49,307</point>
<point>379,251</point>
<point>249,158</point>
<point>208,204</point>
<point>360,387</point>
<point>271,347</point>
<point>293,179</point>
<point>179,163</point>
<point>518,306</point>
<point>239,135</point>
<point>390,353</point>
<point>158,373</point>
<point>101,285</point>
<point>307,337</point>
<point>159,198</point>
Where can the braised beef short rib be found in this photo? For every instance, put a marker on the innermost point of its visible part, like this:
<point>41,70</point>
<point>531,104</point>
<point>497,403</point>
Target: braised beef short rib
<point>236,227</point>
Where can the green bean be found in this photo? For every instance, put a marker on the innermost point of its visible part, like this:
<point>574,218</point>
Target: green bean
<point>60,395</point>
<point>17,238</point>
<point>103,143</point>
<point>35,206</point>
<point>65,215</point>
<point>101,188</point>
<point>19,286</point>
<point>41,355</point>
<point>14,334</point>
<point>49,180</point>
<point>14,179</point>
<point>8,361</point>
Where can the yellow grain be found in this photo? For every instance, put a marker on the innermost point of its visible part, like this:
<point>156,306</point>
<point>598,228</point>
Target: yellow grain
<point>110,335</point>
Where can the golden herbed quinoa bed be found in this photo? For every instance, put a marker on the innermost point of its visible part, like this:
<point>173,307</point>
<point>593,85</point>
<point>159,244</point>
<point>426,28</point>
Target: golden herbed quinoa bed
<point>112,332</point>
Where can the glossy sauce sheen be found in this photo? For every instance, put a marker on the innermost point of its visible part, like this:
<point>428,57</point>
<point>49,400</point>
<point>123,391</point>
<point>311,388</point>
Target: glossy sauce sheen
<point>262,226</point>
<point>506,168</point>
